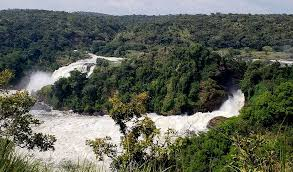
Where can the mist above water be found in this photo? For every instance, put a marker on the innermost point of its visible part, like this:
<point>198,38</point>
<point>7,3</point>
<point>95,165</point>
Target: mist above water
<point>38,80</point>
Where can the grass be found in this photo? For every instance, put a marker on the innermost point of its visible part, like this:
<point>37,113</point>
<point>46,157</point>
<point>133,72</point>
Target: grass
<point>84,166</point>
<point>266,55</point>
<point>254,54</point>
<point>11,162</point>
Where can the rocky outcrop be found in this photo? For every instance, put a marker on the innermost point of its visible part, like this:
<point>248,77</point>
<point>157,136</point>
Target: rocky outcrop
<point>216,121</point>
<point>42,106</point>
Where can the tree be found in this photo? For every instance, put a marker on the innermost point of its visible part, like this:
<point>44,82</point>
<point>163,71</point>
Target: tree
<point>5,77</point>
<point>121,112</point>
<point>140,137</point>
<point>267,49</point>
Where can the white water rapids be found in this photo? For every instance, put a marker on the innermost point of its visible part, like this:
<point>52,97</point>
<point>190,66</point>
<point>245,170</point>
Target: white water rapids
<point>41,79</point>
<point>72,130</point>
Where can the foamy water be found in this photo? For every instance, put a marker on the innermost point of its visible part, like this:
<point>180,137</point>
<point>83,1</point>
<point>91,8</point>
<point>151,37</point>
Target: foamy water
<point>72,130</point>
<point>198,122</point>
<point>40,79</point>
<point>281,61</point>
<point>84,66</point>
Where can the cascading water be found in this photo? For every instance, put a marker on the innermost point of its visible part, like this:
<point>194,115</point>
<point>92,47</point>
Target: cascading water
<point>199,121</point>
<point>72,130</point>
<point>84,66</point>
<point>40,79</point>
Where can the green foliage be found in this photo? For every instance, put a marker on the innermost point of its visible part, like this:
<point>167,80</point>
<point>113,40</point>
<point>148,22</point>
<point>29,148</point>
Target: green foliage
<point>261,76</point>
<point>259,139</point>
<point>16,122</point>
<point>187,78</point>
<point>257,153</point>
<point>124,112</point>
<point>46,39</point>
<point>178,80</point>
<point>80,166</point>
<point>5,77</point>
<point>101,147</point>
<point>267,49</point>
<point>270,108</point>
<point>10,161</point>
<point>139,142</point>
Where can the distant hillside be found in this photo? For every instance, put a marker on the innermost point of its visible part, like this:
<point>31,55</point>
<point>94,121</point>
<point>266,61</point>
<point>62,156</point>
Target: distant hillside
<point>46,38</point>
<point>91,13</point>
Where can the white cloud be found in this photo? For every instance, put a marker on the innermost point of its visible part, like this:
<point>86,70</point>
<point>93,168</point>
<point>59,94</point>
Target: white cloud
<point>120,7</point>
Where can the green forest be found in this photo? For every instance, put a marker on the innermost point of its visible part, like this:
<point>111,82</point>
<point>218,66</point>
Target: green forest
<point>174,64</point>
<point>45,39</point>
<point>177,80</point>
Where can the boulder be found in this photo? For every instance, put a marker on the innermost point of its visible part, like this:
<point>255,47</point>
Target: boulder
<point>216,121</point>
<point>42,106</point>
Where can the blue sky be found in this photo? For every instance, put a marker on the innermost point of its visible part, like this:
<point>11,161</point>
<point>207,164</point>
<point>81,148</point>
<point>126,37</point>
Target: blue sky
<point>156,7</point>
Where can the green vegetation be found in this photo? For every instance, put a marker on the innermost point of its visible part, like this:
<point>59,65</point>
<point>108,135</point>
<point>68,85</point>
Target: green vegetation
<point>32,39</point>
<point>45,39</point>
<point>178,80</point>
<point>247,53</point>
<point>259,139</point>
<point>15,129</point>
<point>140,146</point>
<point>10,161</point>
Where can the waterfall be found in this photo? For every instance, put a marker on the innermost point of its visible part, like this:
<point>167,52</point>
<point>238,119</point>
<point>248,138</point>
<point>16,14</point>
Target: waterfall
<point>198,122</point>
<point>39,79</point>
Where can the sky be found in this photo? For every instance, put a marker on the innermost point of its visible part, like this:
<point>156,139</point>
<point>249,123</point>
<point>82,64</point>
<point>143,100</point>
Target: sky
<point>155,7</point>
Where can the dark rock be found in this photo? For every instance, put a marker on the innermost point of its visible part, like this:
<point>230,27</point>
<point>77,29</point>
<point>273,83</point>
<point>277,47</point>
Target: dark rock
<point>97,113</point>
<point>42,106</point>
<point>216,121</point>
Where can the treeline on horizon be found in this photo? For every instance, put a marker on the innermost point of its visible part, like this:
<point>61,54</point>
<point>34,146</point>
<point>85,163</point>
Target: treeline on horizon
<point>45,39</point>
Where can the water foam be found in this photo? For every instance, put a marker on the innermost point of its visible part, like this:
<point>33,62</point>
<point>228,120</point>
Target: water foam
<point>72,130</point>
<point>39,79</point>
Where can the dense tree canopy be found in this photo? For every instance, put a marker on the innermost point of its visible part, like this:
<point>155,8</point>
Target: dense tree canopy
<point>259,139</point>
<point>46,39</point>
<point>178,80</point>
